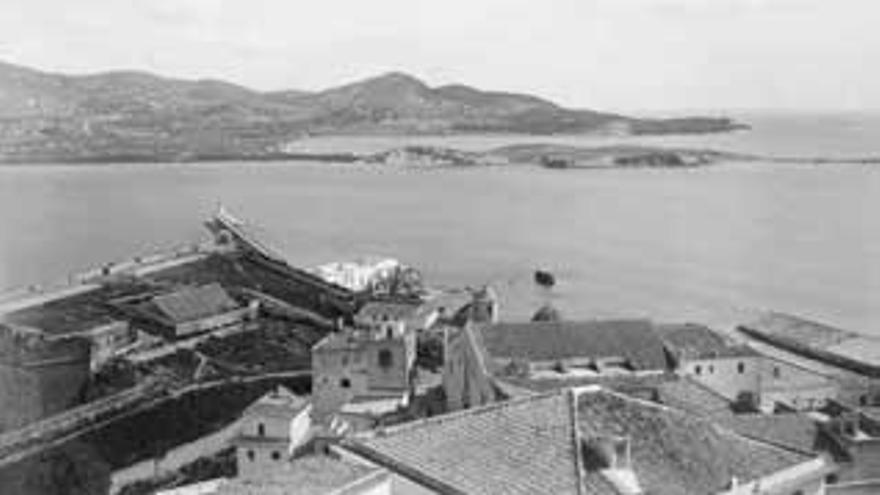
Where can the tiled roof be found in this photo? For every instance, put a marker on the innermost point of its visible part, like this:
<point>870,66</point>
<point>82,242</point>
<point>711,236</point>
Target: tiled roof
<point>193,303</point>
<point>634,340</point>
<point>674,452</point>
<point>792,431</point>
<point>688,395</point>
<point>665,388</point>
<point>523,446</point>
<point>532,445</point>
<point>279,403</point>
<point>311,475</point>
<point>338,341</point>
<point>641,385</point>
<point>691,341</point>
<point>346,340</point>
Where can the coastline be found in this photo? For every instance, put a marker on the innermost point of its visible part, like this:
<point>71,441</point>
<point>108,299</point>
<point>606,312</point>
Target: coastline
<point>437,157</point>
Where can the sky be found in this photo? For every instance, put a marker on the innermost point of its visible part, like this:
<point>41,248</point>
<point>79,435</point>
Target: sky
<point>633,55</point>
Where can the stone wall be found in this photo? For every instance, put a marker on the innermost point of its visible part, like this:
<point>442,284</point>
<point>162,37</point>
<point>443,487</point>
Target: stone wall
<point>40,378</point>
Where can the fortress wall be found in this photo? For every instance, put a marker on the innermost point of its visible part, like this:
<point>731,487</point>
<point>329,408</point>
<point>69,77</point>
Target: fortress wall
<point>39,378</point>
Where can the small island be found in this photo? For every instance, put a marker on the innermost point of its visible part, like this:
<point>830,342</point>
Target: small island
<point>551,156</point>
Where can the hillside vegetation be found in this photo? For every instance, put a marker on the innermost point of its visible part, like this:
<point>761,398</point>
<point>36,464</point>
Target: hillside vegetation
<point>136,116</point>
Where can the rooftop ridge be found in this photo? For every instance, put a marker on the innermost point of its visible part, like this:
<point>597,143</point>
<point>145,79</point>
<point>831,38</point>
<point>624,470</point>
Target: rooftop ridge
<point>572,322</point>
<point>760,441</point>
<point>632,398</point>
<point>443,418</point>
<point>707,421</point>
<point>576,439</point>
<point>703,387</point>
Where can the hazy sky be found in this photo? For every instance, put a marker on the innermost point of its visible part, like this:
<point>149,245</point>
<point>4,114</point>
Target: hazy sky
<point>605,54</point>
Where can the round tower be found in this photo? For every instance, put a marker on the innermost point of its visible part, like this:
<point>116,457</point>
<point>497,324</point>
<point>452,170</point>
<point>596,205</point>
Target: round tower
<point>39,375</point>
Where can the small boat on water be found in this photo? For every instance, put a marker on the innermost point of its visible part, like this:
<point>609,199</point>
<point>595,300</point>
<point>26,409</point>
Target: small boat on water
<point>544,278</point>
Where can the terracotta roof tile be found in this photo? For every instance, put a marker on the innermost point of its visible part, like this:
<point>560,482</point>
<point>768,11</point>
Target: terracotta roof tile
<point>674,452</point>
<point>193,303</point>
<point>641,385</point>
<point>792,431</point>
<point>691,341</point>
<point>279,403</point>
<point>532,445</point>
<point>524,446</point>
<point>691,396</point>
<point>634,340</point>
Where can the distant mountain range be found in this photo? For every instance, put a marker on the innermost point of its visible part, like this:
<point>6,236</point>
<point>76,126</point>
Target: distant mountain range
<point>137,116</point>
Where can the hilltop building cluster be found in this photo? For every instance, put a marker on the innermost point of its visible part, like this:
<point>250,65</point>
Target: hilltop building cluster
<point>591,407</point>
<point>414,392</point>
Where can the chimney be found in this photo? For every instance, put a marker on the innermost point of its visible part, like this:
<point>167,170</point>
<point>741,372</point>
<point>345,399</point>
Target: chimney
<point>611,456</point>
<point>607,452</point>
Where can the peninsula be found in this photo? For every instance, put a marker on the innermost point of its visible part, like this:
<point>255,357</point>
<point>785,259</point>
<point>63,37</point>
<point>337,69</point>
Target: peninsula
<point>136,116</point>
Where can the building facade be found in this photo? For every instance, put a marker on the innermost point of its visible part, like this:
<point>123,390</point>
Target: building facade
<point>846,359</point>
<point>189,311</point>
<point>356,365</point>
<point>272,428</point>
<point>741,374</point>
<point>482,360</point>
<point>395,317</point>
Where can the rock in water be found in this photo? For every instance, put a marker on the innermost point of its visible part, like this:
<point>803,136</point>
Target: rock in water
<point>544,278</point>
<point>547,313</point>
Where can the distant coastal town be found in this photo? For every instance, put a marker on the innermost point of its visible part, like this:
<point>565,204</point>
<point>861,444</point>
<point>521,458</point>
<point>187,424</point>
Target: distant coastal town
<point>222,368</point>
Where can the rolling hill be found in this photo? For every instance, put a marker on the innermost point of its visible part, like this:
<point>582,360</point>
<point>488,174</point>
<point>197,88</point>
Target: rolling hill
<point>137,116</point>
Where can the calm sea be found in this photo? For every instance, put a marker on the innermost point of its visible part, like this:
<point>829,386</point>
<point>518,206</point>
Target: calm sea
<point>708,244</point>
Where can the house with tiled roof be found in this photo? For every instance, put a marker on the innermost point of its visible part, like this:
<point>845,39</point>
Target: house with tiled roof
<point>361,375</point>
<point>483,360</point>
<point>739,373</point>
<point>395,317</point>
<point>822,356</point>
<point>582,441</point>
<point>186,311</point>
<point>271,430</point>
